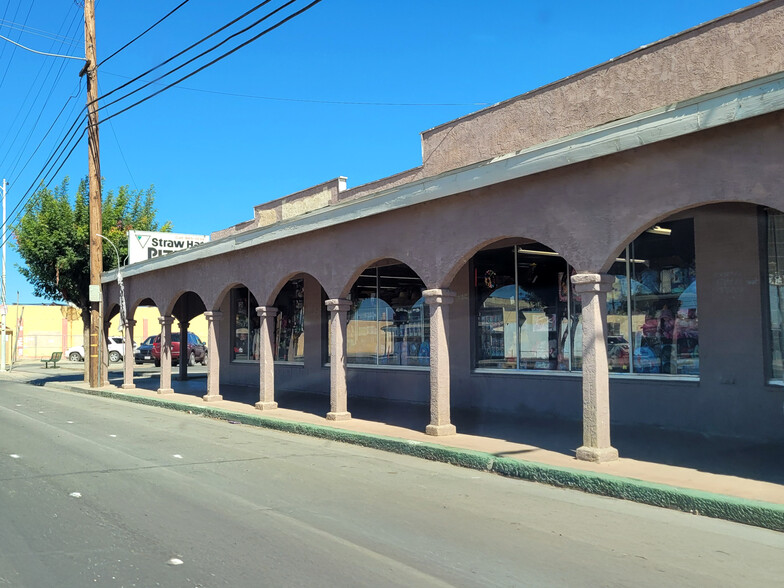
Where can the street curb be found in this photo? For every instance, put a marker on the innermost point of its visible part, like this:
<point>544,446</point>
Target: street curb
<point>739,510</point>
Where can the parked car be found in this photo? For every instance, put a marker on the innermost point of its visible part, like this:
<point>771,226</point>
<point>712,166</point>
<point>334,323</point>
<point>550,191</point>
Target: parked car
<point>116,350</point>
<point>197,352</point>
<point>144,352</point>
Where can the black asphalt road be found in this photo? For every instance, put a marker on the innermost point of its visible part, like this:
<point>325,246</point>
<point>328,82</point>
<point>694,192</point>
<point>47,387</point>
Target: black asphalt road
<point>95,492</point>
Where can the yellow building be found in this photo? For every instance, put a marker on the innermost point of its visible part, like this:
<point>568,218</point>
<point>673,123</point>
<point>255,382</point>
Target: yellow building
<point>37,330</point>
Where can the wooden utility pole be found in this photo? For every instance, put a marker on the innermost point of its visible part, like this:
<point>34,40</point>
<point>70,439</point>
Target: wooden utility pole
<point>96,246</point>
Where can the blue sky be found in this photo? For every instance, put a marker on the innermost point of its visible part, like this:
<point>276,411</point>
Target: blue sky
<point>212,154</point>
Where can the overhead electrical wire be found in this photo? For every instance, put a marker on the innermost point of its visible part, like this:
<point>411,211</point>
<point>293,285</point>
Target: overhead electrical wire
<point>217,59</point>
<point>41,52</point>
<point>311,100</point>
<point>175,56</point>
<point>28,200</point>
<point>13,50</point>
<point>73,41</point>
<point>52,86</point>
<point>140,35</point>
<point>200,55</point>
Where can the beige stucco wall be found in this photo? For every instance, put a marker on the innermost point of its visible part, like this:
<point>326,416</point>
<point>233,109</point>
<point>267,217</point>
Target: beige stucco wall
<point>743,46</point>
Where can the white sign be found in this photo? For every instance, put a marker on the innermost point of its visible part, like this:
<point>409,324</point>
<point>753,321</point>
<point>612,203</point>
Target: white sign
<point>143,245</point>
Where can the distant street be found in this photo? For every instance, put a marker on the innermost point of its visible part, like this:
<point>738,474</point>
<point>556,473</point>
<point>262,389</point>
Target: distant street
<point>96,492</point>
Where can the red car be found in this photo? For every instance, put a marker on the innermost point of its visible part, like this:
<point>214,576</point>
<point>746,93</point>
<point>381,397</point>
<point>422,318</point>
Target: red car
<point>197,351</point>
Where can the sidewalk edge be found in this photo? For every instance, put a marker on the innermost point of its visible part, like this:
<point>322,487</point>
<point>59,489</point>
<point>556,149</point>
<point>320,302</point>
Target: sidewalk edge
<point>748,512</point>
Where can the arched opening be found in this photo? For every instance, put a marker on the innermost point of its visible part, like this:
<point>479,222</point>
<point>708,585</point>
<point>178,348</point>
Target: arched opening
<point>388,323</point>
<point>526,315</point>
<point>652,311</point>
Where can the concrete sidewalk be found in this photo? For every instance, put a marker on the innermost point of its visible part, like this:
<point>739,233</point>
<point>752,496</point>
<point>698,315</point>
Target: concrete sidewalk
<point>722,478</point>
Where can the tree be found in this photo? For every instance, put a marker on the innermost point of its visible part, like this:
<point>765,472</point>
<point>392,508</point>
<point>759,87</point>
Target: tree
<point>52,237</point>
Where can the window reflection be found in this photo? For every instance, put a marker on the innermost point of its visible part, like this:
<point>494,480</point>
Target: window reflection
<point>290,322</point>
<point>245,325</point>
<point>776,293</point>
<point>528,315</point>
<point>389,322</point>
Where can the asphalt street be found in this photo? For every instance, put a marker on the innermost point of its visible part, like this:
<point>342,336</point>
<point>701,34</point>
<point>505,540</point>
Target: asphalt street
<point>95,492</point>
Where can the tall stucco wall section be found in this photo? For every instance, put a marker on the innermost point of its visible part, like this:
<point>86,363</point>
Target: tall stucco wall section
<point>734,49</point>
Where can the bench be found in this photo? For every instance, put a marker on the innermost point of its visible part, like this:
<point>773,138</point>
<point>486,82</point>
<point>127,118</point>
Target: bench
<point>56,356</point>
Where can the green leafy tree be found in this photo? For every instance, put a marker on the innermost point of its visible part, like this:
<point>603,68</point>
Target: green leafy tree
<point>52,237</point>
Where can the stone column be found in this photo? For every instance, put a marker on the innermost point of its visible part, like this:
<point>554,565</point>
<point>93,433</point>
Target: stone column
<point>338,393</point>
<point>165,384</point>
<point>592,289</point>
<point>439,300</point>
<point>128,359</point>
<point>213,356</point>
<point>183,366</point>
<point>266,358</point>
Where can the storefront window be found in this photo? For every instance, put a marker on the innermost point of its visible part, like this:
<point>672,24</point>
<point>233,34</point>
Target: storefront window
<point>290,322</point>
<point>245,326</point>
<point>529,317</point>
<point>523,297</point>
<point>388,323</point>
<point>775,248</point>
<point>662,324</point>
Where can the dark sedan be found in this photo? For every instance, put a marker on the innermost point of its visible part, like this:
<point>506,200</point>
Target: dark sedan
<point>144,352</point>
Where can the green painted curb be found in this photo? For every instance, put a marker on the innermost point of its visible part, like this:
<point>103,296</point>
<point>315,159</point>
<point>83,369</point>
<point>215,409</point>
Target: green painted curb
<point>749,512</point>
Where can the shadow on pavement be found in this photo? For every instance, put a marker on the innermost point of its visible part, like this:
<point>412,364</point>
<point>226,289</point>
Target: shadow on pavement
<point>717,455</point>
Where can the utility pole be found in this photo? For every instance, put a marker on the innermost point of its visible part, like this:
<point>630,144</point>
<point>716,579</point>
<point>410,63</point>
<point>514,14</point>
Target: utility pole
<point>3,303</point>
<point>96,246</point>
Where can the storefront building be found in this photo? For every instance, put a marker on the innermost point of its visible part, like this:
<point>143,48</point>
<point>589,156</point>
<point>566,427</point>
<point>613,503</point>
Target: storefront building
<point>606,248</point>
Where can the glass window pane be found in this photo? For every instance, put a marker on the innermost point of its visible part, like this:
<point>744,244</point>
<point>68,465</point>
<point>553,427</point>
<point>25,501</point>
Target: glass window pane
<point>403,318</point>
<point>496,308</point>
<point>664,314</point>
<point>290,322</point>
<point>541,310</point>
<point>776,292</point>
<point>362,331</point>
<point>618,347</point>
<point>245,325</point>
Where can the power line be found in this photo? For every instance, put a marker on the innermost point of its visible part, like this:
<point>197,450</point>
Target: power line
<point>202,54</point>
<point>173,57</point>
<point>119,148</point>
<point>79,118</point>
<point>140,35</point>
<point>13,51</point>
<point>72,132</point>
<point>41,52</point>
<point>49,130</point>
<point>34,101</point>
<point>217,59</point>
<point>313,100</point>
<point>38,32</point>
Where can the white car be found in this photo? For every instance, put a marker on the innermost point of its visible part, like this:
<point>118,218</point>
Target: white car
<point>116,350</point>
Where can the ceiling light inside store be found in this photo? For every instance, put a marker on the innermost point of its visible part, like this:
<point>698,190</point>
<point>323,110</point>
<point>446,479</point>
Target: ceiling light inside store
<point>657,230</point>
<point>535,252</point>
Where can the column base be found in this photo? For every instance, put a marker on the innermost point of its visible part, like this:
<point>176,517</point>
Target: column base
<point>597,455</point>
<point>165,391</point>
<point>128,386</point>
<point>266,405</point>
<point>212,397</point>
<point>441,430</point>
<point>338,416</point>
